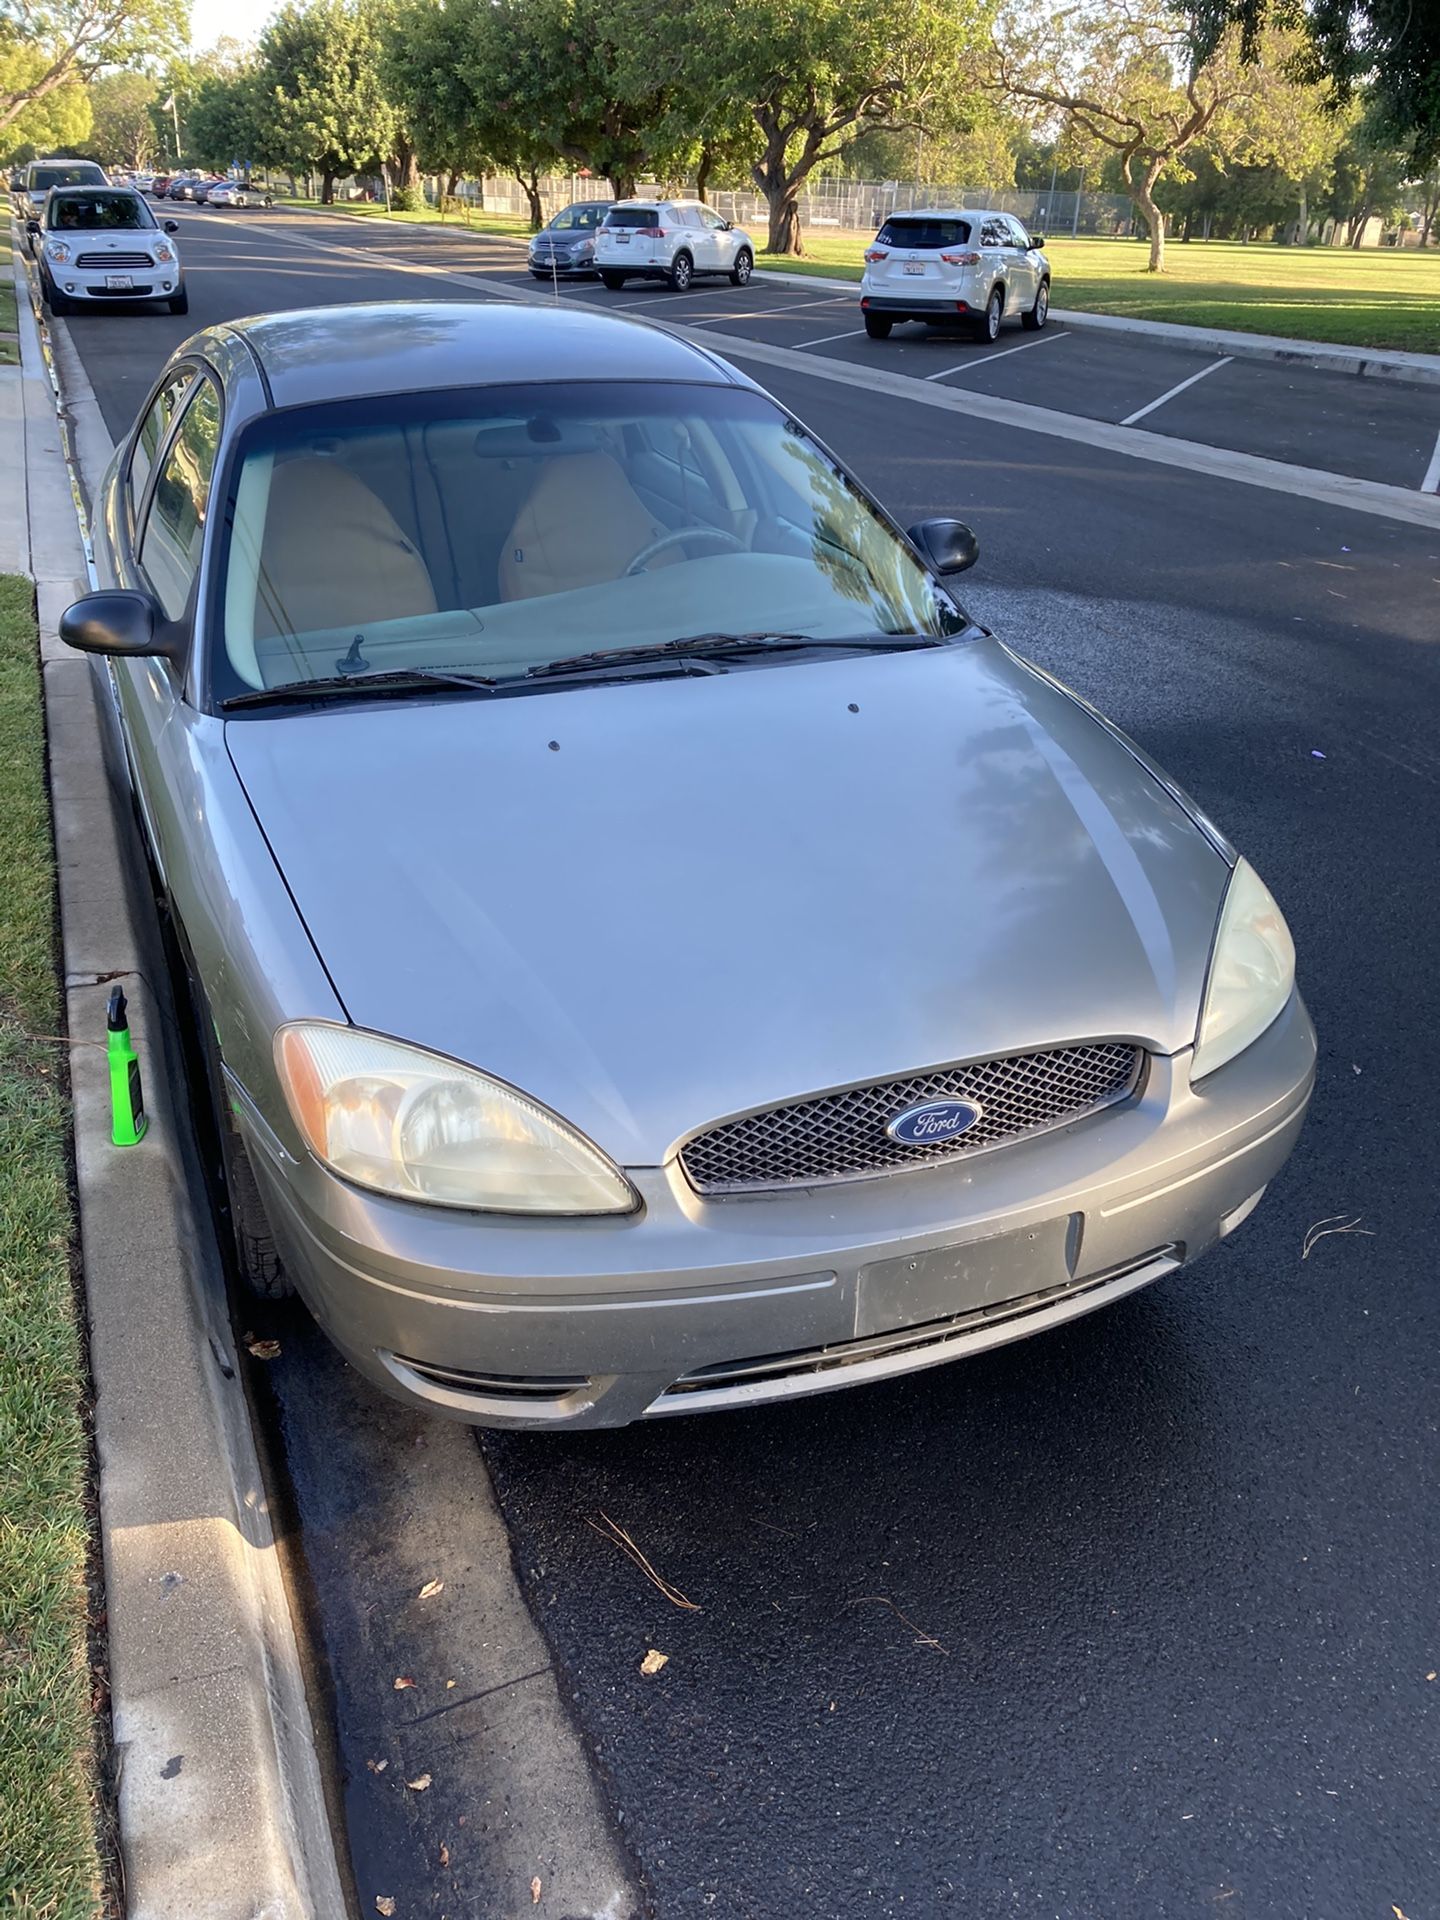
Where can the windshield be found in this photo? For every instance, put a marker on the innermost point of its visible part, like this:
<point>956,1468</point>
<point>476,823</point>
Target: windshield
<point>81,174</point>
<point>491,532</point>
<point>98,212</point>
<point>577,220</point>
<point>924,233</point>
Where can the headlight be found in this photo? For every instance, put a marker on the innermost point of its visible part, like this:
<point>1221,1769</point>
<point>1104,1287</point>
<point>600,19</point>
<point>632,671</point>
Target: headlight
<point>1252,972</point>
<point>410,1123</point>
<point>163,252</point>
<point>57,250</point>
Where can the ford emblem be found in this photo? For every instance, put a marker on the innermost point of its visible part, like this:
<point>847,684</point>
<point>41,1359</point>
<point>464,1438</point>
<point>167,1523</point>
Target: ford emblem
<point>933,1123</point>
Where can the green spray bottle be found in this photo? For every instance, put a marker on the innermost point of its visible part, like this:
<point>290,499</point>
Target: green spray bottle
<point>127,1105</point>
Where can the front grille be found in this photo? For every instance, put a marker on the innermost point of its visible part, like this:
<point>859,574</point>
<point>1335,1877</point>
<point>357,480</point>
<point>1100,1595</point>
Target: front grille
<point>115,262</point>
<point>841,1136</point>
<point>108,293</point>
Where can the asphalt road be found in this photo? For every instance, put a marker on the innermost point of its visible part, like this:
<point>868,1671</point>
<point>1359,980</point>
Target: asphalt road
<point>1137,1618</point>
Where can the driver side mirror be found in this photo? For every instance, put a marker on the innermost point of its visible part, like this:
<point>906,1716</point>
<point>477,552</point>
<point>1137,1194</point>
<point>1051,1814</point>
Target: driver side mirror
<point>172,226</point>
<point>949,545</point>
<point>32,226</point>
<point>1037,240</point>
<point>128,624</point>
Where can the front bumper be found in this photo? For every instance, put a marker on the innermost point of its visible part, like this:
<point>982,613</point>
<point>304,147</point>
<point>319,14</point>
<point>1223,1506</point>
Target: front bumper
<point>695,1304</point>
<point>542,263</point>
<point>955,306</point>
<point>89,283</point>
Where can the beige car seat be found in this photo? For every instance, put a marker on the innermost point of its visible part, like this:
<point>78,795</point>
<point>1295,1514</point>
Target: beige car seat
<point>333,555</point>
<point>582,523</point>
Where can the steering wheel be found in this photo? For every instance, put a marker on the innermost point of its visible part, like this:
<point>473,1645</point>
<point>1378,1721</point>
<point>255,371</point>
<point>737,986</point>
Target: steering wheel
<point>648,553</point>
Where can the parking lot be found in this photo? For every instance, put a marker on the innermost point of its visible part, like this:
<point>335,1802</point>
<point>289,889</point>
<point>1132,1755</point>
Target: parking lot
<point>1374,429</point>
<point>1132,1620</point>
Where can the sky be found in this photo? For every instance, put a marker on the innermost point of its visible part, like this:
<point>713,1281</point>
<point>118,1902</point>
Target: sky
<point>212,20</point>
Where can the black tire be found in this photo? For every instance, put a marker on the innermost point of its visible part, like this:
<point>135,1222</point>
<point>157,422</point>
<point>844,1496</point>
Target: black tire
<point>682,272</point>
<point>878,325</point>
<point>612,280</point>
<point>1040,312</point>
<point>58,303</point>
<point>987,327</point>
<point>743,268</point>
<point>179,302</point>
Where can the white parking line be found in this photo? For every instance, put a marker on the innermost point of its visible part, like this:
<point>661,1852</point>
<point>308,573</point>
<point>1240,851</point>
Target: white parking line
<point>1140,412</point>
<point>771,313</point>
<point>826,338</point>
<point>973,366</point>
<point>1431,482</point>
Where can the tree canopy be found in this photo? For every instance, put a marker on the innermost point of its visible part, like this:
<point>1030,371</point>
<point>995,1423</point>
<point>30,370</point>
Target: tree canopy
<point>49,44</point>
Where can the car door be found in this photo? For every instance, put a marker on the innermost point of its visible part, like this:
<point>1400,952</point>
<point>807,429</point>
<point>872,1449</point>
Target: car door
<point>1023,268</point>
<point>164,560</point>
<point>720,240</point>
<point>996,252</point>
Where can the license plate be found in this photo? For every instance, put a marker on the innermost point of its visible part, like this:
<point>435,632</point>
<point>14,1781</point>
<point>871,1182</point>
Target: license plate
<point>622,239</point>
<point>914,266</point>
<point>118,283</point>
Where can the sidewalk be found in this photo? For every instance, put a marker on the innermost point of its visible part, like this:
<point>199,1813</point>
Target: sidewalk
<point>221,1807</point>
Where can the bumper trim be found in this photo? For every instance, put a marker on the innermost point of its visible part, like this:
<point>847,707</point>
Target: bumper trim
<point>785,1376</point>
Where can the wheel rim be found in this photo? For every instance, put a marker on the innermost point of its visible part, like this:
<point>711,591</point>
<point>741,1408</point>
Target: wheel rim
<point>742,267</point>
<point>682,272</point>
<point>992,317</point>
<point>1042,305</point>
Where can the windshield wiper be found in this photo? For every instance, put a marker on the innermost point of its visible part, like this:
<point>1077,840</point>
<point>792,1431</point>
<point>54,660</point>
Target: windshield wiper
<point>380,680</point>
<point>706,645</point>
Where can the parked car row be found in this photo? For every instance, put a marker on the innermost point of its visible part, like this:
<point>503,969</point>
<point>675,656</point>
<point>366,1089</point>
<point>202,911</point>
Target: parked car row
<point>676,241</point>
<point>207,190</point>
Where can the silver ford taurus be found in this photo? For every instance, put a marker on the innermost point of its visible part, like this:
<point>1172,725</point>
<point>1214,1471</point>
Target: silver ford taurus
<point>654,952</point>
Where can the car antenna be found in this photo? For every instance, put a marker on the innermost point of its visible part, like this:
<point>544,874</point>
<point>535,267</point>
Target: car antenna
<point>352,661</point>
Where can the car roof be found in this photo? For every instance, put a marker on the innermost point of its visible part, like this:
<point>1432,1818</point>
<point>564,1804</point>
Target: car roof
<point>944,213</point>
<point>310,355</point>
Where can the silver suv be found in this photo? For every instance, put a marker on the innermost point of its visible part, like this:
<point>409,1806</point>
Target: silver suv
<point>954,265</point>
<point>670,240</point>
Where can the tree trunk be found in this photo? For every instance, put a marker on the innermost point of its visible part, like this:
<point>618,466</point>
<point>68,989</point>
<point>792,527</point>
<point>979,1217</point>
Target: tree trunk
<point>452,181</point>
<point>327,188</point>
<point>1154,218</point>
<point>530,186</point>
<point>704,168</point>
<point>1206,234</point>
<point>622,185</point>
<point>1302,224</point>
<point>405,165</point>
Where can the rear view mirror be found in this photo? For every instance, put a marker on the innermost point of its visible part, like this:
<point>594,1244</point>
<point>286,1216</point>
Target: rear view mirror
<point>119,623</point>
<point>949,545</point>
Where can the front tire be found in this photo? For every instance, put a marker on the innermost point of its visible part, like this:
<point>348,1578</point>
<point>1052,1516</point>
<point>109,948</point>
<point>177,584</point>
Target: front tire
<point>987,327</point>
<point>614,281</point>
<point>1037,316</point>
<point>179,302</point>
<point>682,272</point>
<point>744,266</point>
<point>878,325</point>
<point>58,303</point>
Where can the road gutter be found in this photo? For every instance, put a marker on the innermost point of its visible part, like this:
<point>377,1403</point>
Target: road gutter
<point>221,1808</point>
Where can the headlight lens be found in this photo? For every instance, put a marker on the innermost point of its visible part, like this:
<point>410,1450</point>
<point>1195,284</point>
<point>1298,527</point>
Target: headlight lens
<point>410,1123</point>
<point>58,250</point>
<point>162,252</point>
<point>1252,972</point>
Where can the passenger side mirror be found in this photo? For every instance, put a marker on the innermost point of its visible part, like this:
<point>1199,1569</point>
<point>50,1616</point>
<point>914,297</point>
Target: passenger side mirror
<point>32,226</point>
<point>1037,240</point>
<point>172,226</point>
<point>949,545</point>
<point>120,623</point>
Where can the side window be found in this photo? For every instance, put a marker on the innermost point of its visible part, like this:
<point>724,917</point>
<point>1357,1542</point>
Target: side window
<point>686,217</point>
<point>710,218</point>
<point>993,234</point>
<point>1019,237</point>
<point>153,430</point>
<point>175,527</point>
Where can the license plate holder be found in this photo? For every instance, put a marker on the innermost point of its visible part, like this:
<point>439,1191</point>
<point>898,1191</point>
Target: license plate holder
<point>119,282</point>
<point>938,1282</point>
<point>914,266</point>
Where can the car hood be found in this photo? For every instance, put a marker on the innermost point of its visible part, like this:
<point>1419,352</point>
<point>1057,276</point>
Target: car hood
<point>110,239</point>
<point>654,904</point>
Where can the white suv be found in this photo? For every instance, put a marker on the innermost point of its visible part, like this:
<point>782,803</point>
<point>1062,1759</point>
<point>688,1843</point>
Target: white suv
<point>962,265</point>
<point>670,240</point>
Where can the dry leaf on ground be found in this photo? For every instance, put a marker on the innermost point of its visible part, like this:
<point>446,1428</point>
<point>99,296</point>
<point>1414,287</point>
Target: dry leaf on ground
<point>384,1903</point>
<point>265,1349</point>
<point>444,1854</point>
<point>431,1588</point>
<point>653,1661</point>
<point>535,1891</point>
<point>419,1783</point>
<point>618,1537</point>
<point>377,1766</point>
<point>402,1681</point>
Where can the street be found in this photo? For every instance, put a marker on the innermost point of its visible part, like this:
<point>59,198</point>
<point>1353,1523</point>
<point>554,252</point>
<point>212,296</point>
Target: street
<point>1133,1619</point>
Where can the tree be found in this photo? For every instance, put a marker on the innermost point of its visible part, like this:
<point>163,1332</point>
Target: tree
<point>120,106</point>
<point>325,105</point>
<point>1369,175</point>
<point>56,121</point>
<point>815,75</point>
<point>1389,49</point>
<point>230,121</point>
<point>1130,78</point>
<point>74,39</point>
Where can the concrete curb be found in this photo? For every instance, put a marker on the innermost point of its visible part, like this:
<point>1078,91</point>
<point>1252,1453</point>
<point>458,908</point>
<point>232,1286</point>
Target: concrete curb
<point>221,1806</point>
<point>1370,363</point>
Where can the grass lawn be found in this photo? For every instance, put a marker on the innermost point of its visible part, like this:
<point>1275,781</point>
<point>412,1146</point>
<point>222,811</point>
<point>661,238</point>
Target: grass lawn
<point>9,344</point>
<point>49,1868</point>
<point>1373,297</point>
<point>474,220</point>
